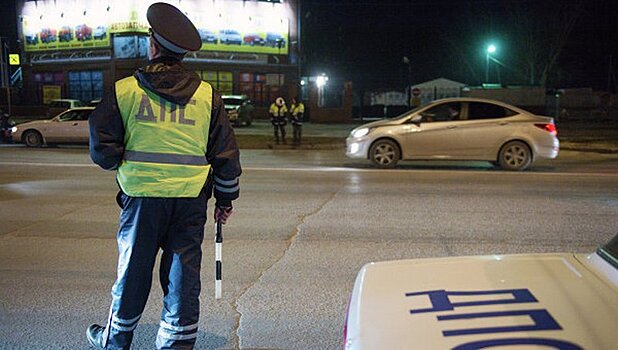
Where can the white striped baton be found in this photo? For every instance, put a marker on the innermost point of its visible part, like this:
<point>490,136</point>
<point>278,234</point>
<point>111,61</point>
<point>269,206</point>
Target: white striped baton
<point>218,247</point>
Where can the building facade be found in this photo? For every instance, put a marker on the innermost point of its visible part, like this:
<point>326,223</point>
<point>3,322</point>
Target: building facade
<point>78,49</point>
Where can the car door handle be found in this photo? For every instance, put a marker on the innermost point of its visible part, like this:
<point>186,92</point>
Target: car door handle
<point>504,123</point>
<point>451,127</point>
<point>75,124</point>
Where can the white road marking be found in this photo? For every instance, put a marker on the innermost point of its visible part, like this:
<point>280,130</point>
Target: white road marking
<point>426,171</point>
<point>349,170</point>
<point>59,165</point>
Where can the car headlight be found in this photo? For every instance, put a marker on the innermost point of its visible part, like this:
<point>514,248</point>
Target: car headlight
<point>14,129</point>
<point>360,132</point>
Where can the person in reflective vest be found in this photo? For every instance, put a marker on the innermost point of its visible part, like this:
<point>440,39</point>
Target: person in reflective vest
<point>297,111</point>
<point>167,135</point>
<point>278,112</point>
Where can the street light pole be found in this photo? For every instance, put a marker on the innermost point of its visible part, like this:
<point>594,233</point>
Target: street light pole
<point>407,62</point>
<point>486,67</point>
<point>4,68</point>
<point>279,44</point>
<point>490,49</point>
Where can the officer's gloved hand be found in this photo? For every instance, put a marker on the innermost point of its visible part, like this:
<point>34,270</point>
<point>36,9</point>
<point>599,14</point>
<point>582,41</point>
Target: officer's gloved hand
<point>222,214</point>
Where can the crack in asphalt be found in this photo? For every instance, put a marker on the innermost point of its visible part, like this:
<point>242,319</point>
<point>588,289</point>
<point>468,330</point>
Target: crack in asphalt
<point>290,241</point>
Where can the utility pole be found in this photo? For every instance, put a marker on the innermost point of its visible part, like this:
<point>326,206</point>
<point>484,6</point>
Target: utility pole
<point>407,62</point>
<point>611,77</point>
<point>279,44</point>
<point>4,67</point>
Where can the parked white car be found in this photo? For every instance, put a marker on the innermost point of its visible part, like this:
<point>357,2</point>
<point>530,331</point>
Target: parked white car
<point>239,109</point>
<point>58,106</point>
<point>458,129</point>
<point>67,127</point>
<point>536,301</point>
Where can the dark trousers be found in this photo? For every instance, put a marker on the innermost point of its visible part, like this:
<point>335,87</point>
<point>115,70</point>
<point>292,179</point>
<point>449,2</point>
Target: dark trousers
<point>176,226</point>
<point>277,128</point>
<point>297,130</point>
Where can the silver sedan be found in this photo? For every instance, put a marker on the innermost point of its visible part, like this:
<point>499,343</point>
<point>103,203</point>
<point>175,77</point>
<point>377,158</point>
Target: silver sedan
<point>67,127</point>
<point>458,129</point>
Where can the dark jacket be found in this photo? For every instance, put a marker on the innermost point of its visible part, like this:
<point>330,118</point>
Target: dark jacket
<point>170,80</point>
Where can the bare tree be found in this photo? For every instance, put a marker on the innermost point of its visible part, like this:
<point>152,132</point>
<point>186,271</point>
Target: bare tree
<point>540,30</point>
<point>463,38</point>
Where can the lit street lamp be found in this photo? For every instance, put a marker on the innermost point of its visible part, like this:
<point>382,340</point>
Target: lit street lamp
<point>321,80</point>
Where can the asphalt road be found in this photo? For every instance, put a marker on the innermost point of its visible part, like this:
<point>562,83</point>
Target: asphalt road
<point>304,225</point>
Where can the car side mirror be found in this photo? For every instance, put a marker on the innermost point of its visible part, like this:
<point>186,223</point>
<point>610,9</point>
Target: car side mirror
<point>55,119</point>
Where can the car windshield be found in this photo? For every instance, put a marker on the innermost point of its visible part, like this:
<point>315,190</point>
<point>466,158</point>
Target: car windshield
<point>609,251</point>
<point>232,102</point>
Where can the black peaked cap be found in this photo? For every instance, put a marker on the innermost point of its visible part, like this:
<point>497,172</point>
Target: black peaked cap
<point>172,25</point>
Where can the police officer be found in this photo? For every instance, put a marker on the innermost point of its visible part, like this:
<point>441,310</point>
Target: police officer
<point>278,112</point>
<point>297,110</point>
<point>163,130</point>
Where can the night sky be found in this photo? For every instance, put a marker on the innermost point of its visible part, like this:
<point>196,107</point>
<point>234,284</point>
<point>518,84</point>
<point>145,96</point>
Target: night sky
<point>365,41</point>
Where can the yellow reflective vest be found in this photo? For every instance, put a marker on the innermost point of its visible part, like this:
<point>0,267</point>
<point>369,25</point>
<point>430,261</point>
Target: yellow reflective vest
<point>165,143</point>
<point>297,108</point>
<point>276,111</point>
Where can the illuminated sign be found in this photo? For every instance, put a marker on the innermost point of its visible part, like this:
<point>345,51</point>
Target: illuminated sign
<point>232,26</point>
<point>54,25</point>
<point>14,59</point>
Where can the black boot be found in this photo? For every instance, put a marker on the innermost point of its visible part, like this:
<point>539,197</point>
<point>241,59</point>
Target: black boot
<point>94,334</point>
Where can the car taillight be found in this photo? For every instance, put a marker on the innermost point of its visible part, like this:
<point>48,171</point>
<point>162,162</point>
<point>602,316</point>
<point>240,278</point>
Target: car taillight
<point>550,128</point>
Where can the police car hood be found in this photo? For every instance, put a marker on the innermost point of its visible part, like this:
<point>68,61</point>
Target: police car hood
<point>445,303</point>
<point>169,79</point>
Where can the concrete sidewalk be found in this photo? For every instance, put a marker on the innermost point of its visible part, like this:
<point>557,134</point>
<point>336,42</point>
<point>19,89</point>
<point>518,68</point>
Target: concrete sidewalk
<point>263,127</point>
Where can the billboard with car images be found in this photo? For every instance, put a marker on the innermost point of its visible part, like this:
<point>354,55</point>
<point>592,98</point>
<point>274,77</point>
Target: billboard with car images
<point>228,26</point>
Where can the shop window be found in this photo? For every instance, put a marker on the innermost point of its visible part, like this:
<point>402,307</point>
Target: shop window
<point>259,91</point>
<point>50,85</point>
<point>134,46</point>
<point>86,85</point>
<point>221,81</point>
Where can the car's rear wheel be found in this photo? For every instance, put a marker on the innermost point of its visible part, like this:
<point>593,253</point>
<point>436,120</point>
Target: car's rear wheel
<point>384,153</point>
<point>515,155</point>
<point>33,138</point>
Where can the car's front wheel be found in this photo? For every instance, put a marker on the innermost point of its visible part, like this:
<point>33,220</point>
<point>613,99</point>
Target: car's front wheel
<point>515,155</point>
<point>33,138</point>
<point>384,153</point>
